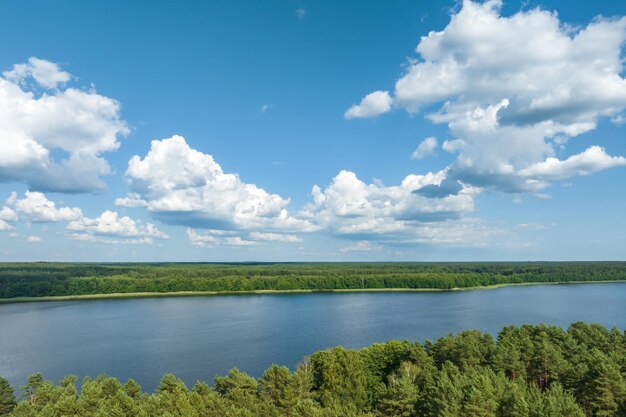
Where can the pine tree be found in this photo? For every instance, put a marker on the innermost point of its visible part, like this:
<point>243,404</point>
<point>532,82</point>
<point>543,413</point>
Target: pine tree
<point>7,397</point>
<point>602,390</point>
<point>558,403</point>
<point>274,385</point>
<point>399,397</point>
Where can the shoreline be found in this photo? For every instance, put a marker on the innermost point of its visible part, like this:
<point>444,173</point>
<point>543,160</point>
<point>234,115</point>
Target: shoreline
<point>120,296</point>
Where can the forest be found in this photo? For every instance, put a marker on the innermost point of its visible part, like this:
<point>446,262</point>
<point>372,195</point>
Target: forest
<point>41,279</point>
<point>527,371</point>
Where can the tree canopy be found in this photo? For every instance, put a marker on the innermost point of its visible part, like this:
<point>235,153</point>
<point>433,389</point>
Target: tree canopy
<point>527,371</point>
<point>42,279</point>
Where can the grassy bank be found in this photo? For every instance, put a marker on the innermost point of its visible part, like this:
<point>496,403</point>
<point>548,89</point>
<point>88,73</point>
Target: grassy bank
<point>114,296</point>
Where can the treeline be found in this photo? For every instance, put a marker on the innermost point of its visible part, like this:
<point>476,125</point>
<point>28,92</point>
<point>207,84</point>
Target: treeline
<point>530,371</point>
<point>63,279</point>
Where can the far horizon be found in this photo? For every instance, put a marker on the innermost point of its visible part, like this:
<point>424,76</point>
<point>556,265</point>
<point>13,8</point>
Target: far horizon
<point>301,132</point>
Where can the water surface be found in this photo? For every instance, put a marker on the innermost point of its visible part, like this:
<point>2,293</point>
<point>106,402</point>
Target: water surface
<point>199,337</point>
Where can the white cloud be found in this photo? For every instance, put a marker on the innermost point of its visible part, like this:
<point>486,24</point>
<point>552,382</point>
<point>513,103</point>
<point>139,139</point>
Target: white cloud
<point>513,90</point>
<point>425,148</point>
<point>8,214</point>
<point>84,237</point>
<point>452,146</point>
<point>181,185</point>
<point>360,246</point>
<point>266,107</point>
<point>132,200</point>
<point>107,228</point>
<point>300,13</point>
<point>4,226</point>
<point>464,232</point>
<point>238,241</point>
<point>212,238</point>
<point>372,105</point>
<point>110,225</point>
<point>530,57</point>
<point>201,239</point>
<point>47,74</point>
<point>33,239</point>
<point>36,207</point>
<point>592,160</point>
<point>274,237</point>
<point>350,207</point>
<point>53,141</point>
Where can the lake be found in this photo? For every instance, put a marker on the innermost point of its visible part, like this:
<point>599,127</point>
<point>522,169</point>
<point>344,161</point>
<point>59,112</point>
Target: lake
<point>199,337</point>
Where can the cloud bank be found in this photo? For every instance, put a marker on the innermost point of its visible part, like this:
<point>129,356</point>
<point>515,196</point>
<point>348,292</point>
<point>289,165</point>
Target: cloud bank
<point>513,90</point>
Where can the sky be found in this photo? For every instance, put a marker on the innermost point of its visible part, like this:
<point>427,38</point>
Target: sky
<point>312,131</point>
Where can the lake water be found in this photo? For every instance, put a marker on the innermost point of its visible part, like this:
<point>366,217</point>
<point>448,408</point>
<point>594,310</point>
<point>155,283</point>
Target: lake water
<point>199,337</point>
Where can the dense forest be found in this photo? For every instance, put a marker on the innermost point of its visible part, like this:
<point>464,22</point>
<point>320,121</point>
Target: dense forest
<point>69,279</point>
<point>529,371</point>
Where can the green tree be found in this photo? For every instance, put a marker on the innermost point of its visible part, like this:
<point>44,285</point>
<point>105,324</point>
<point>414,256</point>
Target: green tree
<point>399,397</point>
<point>236,381</point>
<point>132,389</point>
<point>275,385</point>
<point>7,397</point>
<point>172,398</point>
<point>558,403</point>
<point>547,364</point>
<point>340,377</point>
<point>514,402</point>
<point>602,390</point>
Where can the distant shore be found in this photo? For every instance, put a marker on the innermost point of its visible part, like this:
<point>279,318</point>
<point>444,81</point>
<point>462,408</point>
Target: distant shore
<point>114,296</point>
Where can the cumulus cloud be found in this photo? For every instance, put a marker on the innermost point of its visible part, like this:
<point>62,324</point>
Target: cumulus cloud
<point>33,239</point>
<point>352,208</point>
<point>212,238</point>
<point>47,74</point>
<point>274,237</point>
<point>372,105</point>
<point>452,146</point>
<point>181,185</point>
<point>592,160</point>
<point>360,246</point>
<point>530,58</point>
<point>202,239</point>
<point>464,232</point>
<point>52,137</point>
<point>513,90</point>
<point>8,214</point>
<point>110,225</point>
<point>425,148</point>
<point>238,241</point>
<point>36,207</point>
<point>132,200</point>
<point>4,226</point>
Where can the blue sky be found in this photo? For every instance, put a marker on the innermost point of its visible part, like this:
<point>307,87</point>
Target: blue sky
<point>501,137</point>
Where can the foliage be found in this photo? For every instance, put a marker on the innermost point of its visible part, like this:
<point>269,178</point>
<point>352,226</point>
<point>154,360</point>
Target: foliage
<point>7,398</point>
<point>41,279</point>
<point>528,371</point>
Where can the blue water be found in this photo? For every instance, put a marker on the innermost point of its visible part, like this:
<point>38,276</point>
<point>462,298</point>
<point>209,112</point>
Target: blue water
<point>199,337</point>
